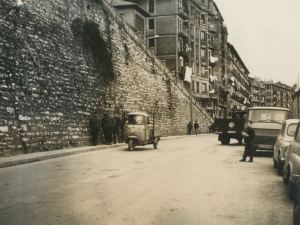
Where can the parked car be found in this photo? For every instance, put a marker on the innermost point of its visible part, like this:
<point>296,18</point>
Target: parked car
<point>283,140</point>
<point>291,168</point>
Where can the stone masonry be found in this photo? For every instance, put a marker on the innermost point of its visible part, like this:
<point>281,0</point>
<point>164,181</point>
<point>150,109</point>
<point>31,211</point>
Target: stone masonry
<point>62,60</point>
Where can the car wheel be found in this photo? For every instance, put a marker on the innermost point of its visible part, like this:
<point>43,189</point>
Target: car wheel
<point>155,143</point>
<point>130,145</point>
<point>286,176</point>
<point>279,165</point>
<point>296,213</point>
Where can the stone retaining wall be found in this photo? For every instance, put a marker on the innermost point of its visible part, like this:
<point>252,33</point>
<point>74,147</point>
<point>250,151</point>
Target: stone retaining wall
<point>62,60</point>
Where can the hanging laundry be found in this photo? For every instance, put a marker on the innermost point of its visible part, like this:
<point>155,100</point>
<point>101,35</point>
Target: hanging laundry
<point>188,74</point>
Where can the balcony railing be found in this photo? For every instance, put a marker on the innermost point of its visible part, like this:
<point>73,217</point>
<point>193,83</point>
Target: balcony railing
<point>245,93</point>
<point>182,12</point>
<point>204,75</point>
<point>183,32</point>
<point>150,33</point>
<point>212,27</point>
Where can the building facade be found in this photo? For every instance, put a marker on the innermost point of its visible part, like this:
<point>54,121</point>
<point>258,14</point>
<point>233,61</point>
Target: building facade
<point>278,94</point>
<point>191,35</point>
<point>257,92</point>
<point>239,84</point>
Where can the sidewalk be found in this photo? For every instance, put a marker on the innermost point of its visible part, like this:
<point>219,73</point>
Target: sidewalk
<point>39,156</point>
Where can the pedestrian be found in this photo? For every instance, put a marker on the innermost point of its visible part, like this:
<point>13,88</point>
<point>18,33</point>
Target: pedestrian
<point>196,127</point>
<point>248,135</point>
<point>210,127</point>
<point>94,124</point>
<point>116,129</point>
<point>107,125</point>
<point>190,127</point>
<point>123,119</point>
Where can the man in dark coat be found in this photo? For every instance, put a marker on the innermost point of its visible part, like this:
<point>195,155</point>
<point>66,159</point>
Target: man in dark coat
<point>107,125</point>
<point>248,135</point>
<point>190,127</point>
<point>196,127</point>
<point>94,124</point>
<point>116,129</point>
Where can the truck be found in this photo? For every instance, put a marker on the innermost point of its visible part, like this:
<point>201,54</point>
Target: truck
<point>230,128</point>
<point>266,123</point>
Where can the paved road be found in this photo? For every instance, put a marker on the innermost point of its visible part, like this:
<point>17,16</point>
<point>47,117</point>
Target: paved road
<point>192,180</point>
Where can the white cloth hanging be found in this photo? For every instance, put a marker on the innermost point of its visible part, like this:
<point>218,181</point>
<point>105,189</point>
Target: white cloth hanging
<point>188,74</point>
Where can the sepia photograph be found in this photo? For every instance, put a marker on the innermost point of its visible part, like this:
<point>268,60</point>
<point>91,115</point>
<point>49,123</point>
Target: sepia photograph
<point>149,112</point>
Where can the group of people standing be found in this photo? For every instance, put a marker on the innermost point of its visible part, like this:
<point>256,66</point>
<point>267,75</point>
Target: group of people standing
<point>111,125</point>
<point>192,125</point>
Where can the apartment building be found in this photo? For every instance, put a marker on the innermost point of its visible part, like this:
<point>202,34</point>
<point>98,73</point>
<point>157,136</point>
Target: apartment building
<point>257,92</point>
<point>134,15</point>
<point>188,33</point>
<point>278,94</point>
<point>239,84</point>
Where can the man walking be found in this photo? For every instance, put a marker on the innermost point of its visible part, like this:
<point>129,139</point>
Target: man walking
<point>94,124</point>
<point>248,135</point>
<point>116,129</point>
<point>108,124</point>
<point>196,127</point>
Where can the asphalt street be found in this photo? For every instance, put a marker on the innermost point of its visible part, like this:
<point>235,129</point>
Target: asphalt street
<point>187,180</point>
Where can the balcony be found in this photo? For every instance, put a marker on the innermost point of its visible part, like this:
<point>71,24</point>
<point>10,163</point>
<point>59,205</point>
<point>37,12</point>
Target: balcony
<point>204,94</point>
<point>213,60</point>
<point>204,75</point>
<point>182,13</point>
<point>244,92</point>
<point>203,43</point>
<point>212,27</point>
<point>203,61</point>
<point>150,32</point>
<point>183,32</point>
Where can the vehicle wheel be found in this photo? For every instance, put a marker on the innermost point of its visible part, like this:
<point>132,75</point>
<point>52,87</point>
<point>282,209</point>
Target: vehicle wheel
<point>286,176</point>
<point>279,165</point>
<point>274,163</point>
<point>155,142</point>
<point>130,145</point>
<point>225,141</point>
<point>240,140</point>
<point>296,213</point>
<point>228,141</point>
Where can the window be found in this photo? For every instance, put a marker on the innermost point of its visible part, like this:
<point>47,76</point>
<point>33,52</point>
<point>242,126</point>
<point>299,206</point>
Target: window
<point>197,86</point>
<point>203,36</point>
<point>204,87</point>
<point>203,1</point>
<point>151,43</point>
<point>193,86</point>
<point>297,137</point>
<point>151,24</point>
<point>291,129</point>
<point>139,24</point>
<point>203,19</point>
<point>151,6</point>
<point>203,53</point>
<point>135,119</point>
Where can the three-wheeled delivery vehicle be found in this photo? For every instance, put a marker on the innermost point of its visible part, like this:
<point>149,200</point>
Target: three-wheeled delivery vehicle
<point>138,130</point>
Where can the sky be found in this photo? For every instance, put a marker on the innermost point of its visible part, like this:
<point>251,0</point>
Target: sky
<point>266,35</point>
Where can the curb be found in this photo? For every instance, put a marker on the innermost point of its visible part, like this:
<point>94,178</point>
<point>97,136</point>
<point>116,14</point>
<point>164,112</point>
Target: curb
<point>40,156</point>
